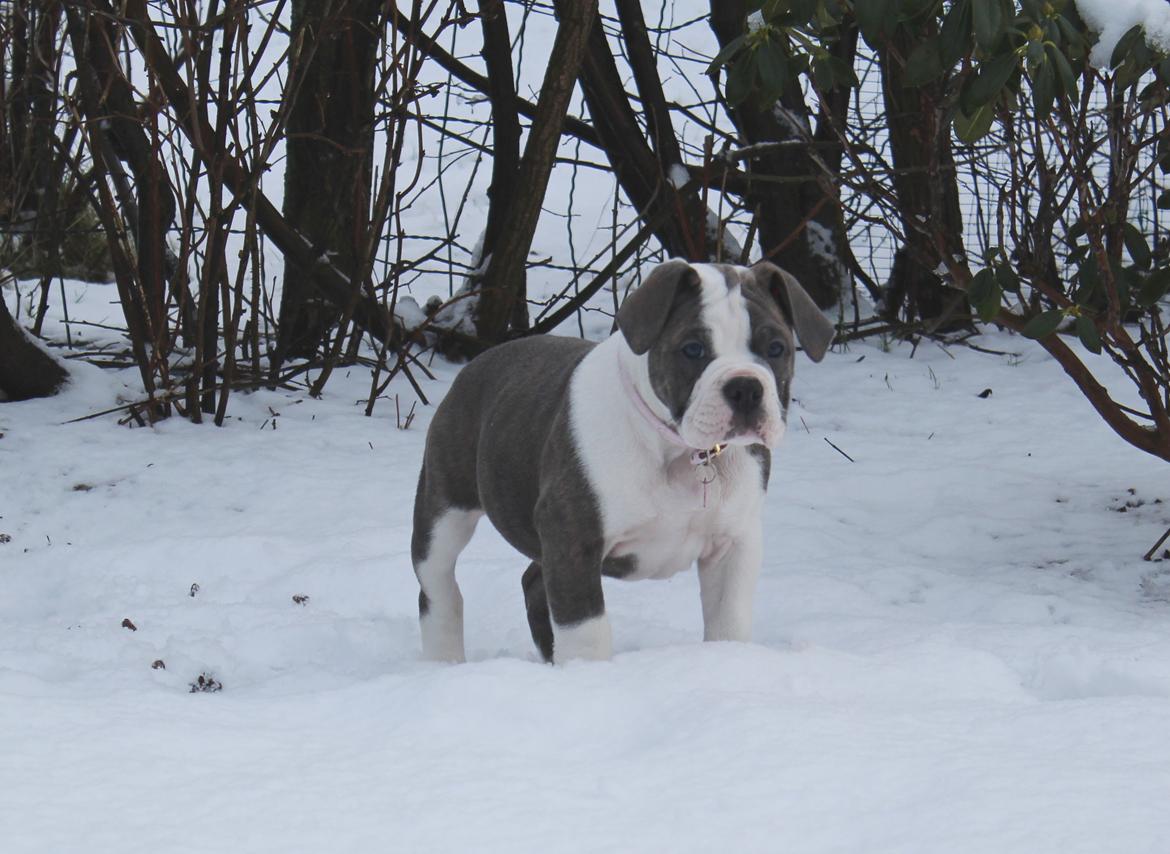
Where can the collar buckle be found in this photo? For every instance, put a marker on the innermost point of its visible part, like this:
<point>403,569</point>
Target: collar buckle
<point>704,458</point>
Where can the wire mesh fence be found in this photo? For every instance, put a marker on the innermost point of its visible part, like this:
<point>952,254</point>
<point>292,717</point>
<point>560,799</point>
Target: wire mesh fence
<point>170,126</point>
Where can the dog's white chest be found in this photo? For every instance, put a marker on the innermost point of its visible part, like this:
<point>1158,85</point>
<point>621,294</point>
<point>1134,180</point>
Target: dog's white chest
<point>661,548</point>
<point>668,519</point>
<point>658,512</point>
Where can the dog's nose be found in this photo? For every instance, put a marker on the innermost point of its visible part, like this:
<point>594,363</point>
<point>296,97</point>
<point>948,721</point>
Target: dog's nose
<point>744,394</point>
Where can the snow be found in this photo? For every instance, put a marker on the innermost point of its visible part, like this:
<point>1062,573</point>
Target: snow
<point>958,646</point>
<point>458,314</point>
<point>724,237</point>
<point>797,124</point>
<point>821,245</point>
<point>1111,19</point>
<point>678,176</point>
<point>409,313</point>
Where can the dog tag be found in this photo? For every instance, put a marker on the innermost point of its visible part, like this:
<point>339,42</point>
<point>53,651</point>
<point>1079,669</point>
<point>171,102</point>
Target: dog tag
<point>706,474</point>
<point>704,470</point>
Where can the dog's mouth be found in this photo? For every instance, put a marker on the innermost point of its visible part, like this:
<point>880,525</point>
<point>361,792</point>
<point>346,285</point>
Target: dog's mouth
<point>752,436</point>
<point>768,433</point>
<point>757,428</point>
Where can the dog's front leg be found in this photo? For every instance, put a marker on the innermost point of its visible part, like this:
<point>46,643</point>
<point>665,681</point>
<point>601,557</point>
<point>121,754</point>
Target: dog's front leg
<point>572,579</point>
<point>571,563</point>
<point>727,586</point>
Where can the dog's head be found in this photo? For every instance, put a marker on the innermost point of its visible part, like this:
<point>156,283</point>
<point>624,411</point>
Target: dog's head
<point>718,342</point>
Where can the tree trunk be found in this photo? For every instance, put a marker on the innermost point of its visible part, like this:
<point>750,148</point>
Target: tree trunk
<point>26,371</point>
<point>799,221</point>
<point>16,101</point>
<point>115,122</point>
<point>370,314</point>
<point>330,158</point>
<point>26,175</point>
<point>42,182</point>
<point>497,56</point>
<point>643,172</point>
<point>926,186</point>
<point>505,273</point>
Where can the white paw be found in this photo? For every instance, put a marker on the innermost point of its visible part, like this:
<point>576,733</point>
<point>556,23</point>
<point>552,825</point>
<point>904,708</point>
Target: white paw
<point>590,639</point>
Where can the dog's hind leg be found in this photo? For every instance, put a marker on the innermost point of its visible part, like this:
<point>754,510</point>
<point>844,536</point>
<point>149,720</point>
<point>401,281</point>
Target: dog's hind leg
<point>536,601</point>
<point>437,541</point>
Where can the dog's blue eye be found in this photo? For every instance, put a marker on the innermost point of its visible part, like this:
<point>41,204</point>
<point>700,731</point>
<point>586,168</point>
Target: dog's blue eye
<point>693,350</point>
<point>776,348</point>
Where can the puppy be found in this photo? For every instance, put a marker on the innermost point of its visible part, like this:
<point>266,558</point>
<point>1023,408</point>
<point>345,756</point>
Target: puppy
<point>633,458</point>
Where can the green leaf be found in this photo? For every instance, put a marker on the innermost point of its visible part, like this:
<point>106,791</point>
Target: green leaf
<point>1087,332</point>
<point>1008,280</point>
<point>823,74</point>
<point>1163,202</point>
<point>1068,80</point>
<point>1034,53</point>
<point>1162,146</point>
<point>1073,37</point>
<point>989,22</point>
<point>1051,30</point>
<point>972,128</point>
<point>1153,93</point>
<point>773,67</point>
<point>1127,282</point>
<point>980,285</point>
<point>1088,277</point>
<point>988,83</point>
<point>1143,55</point>
<point>802,11</point>
<point>1125,45</point>
<point>739,80</point>
<point>924,64</point>
<point>729,50</point>
<point>1043,324</point>
<point>1137,64</point>
<point>1044,90</point>
<point>1135,242</point>
<point>1154,287</point>
<point>985,294</point>
<point>989,308</point>
<point>953,37</point>
<point>843,72</point>
<point>876,19</point>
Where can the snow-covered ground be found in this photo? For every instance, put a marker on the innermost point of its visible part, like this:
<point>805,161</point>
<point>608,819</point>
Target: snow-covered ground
<point>958,648</point>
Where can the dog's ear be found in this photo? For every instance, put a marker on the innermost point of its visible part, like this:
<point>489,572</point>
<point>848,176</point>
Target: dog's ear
<point>643,313</point>
<point>813,329</point>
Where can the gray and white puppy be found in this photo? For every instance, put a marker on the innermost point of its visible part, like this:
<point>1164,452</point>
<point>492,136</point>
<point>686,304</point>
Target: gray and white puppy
<point>633,458</point>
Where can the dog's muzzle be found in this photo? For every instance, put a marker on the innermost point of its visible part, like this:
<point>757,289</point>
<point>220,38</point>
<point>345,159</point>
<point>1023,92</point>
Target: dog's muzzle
<point>735,405</point>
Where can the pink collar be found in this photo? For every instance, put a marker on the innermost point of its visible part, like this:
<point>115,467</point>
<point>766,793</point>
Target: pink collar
<point>698,457</point>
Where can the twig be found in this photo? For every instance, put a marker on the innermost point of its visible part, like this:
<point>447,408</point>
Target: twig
<point>839,451</point>
<point>1150,554</point>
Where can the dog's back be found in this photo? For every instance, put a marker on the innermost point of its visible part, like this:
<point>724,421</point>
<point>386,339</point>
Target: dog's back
<point>485,441</point>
